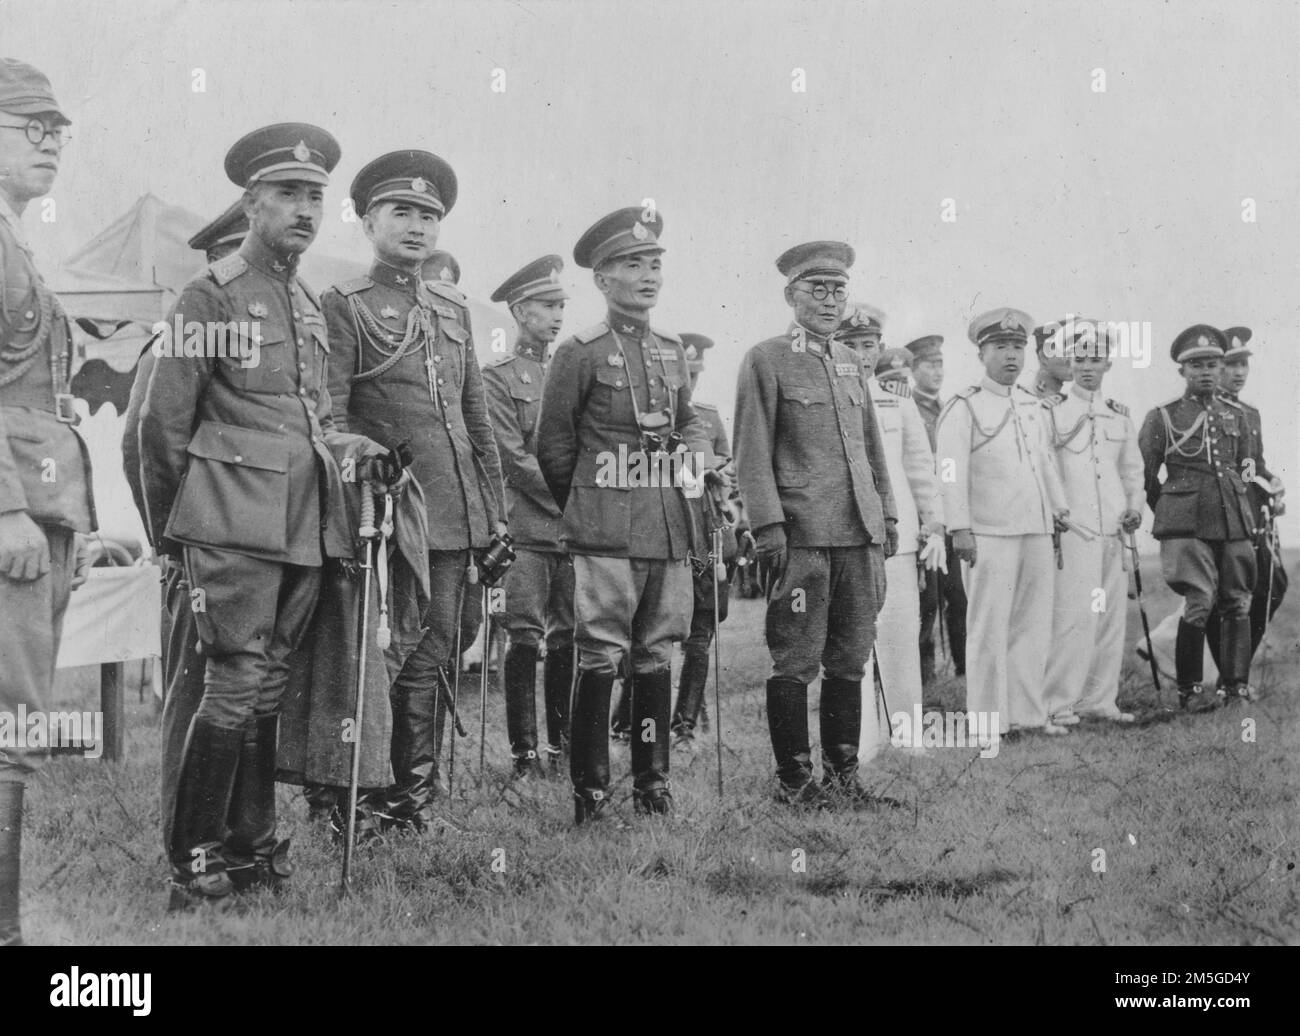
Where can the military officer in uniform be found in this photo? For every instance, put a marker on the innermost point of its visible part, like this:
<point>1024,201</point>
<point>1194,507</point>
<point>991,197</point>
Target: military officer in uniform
<point>45,491</point>
<point>812,470</point>
<point>940,589</point>
<point>539,585</point>
<point>617,402</point>
<point>1263,487</point>
<point>1203,518</point>
<point>691,707</point>
<point>240,477</point>
<point>1002,498</point>
<point>182,666</point>
<point>402,369</point>
<point>1095,444</point>
<point>920,538</point>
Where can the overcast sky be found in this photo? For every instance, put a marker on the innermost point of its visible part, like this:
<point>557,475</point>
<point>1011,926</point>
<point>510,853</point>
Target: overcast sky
<point>1124,203</point>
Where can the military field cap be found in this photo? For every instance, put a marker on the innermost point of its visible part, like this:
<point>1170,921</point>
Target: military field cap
<point>287,151</point>
<point>695,346</point>
<point>406,177</point>
<point>1237,338</point>
<point>441,266</point>
<point>625,232</point>
<point>1200,341</point>
<point>893,363</point>
<point>539,280</point>
<point>228,228</point>
<point>25,90</point>
<point>1003,323</point>
<point>816,259</point>
<point>927,347</point>
<point>861,319</point>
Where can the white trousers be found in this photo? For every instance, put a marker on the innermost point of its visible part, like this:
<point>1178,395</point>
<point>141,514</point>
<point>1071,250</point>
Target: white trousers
<point>1088,623</point>
<point>1008,627</point>
<point>898,652</point>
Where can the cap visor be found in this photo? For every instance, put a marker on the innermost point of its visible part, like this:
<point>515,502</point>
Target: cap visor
<point>294,176</point>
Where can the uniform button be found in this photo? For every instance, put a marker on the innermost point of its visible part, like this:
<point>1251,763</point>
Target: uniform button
<point>297,315</point>
<point>29,315</point>
<point>440,381</point>
<point>618,384</point>
<point>239,459</point>
<point>302,365</point>
<point>302,391</point>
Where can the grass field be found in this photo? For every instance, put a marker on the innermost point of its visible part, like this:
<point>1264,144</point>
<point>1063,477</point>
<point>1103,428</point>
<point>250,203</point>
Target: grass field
<point>1195,824</point>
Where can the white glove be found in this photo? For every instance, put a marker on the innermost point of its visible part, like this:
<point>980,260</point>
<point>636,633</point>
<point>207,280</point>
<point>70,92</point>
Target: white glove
<point>691,483</point>
<point>933,555</point>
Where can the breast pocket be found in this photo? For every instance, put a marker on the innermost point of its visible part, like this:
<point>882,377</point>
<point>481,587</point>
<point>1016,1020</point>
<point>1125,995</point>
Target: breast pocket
<point>265,366</point>
<point>803,398</point>
<point>526,400</point>
<point>454,351</point>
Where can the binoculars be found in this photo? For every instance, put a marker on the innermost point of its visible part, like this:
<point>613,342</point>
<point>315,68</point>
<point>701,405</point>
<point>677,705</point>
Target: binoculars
<point>496,559</point>
<point>653,442</point>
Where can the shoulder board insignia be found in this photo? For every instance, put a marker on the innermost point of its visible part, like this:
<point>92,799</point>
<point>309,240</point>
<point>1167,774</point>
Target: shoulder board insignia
<point>1231,402</point>
<point>1118,407</point>
<point>227,268</point>
<point>701,405</point>
<point>353,286</point>
<point>1056,399</point>
<point>667,336</point>
<point>967,392</point>
<point>447,291</point>
<point>1028,392</point>
<point>897,387</point>
<point>445,312</point>
<point>502,361</point>
<point>590,334</point>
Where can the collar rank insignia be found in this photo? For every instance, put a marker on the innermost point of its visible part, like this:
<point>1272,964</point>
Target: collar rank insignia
<point>388,313</point>
<point>526,378</point>
<point>401,278</point>
<point>277,266</point>
<point>846,370</point>
<point>258,310</point>
<point>615,360</point>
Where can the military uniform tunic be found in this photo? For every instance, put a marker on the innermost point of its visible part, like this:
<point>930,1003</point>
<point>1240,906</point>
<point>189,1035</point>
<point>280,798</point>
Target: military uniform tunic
<point>44,473</point>
<point>1096,450</point>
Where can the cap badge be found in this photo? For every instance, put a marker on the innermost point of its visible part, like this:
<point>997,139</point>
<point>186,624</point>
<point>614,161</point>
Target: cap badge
<point>301,151</point>
<point>1202,340</point>
<point>258,310</point>
<point>420,185</point>
<point>554,275</point>
<point>639,231</point>
<point>1009,322</point>
<point>388,313</point>
<point>692,353</point>
<point>616,360</point>
<point>896,362</point>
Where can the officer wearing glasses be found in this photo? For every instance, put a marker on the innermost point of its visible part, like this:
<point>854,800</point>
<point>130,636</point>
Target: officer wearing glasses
<point>811,466</point>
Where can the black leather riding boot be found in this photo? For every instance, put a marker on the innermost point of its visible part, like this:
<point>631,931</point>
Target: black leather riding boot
<point>414,755</point>
<point>787,722</point>
<point>557,684</point>
<point>203,795</point>
<point>521,707</point>
<point>11,842</point>
<point>589,761</point>
<point>1235,651</point>
<point>1189,668</point>
<point>255,859</point>
<point>841,730</point>
<point>652,698</point>
<point>620,727</point>
<point>690,691</point>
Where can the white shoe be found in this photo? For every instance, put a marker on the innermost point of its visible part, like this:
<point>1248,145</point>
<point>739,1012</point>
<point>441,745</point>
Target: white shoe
<point>1053,730</point>
<point>1067,719</point>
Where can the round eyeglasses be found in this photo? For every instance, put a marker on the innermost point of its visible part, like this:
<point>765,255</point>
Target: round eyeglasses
<point>820,290</point>
<point>37,131</point>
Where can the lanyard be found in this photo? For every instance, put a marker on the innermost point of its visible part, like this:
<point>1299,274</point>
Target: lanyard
<point>631,388</point>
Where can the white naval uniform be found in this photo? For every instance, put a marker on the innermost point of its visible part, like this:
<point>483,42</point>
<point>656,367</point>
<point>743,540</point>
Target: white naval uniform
<point>999,480</point>
<point>910,463</point>
<point>1095,443</point>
